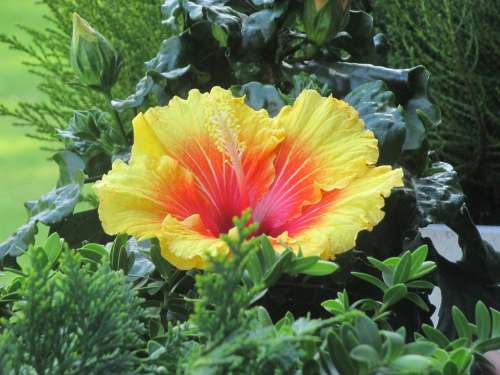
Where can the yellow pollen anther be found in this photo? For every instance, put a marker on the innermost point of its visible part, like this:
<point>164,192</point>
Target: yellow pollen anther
<point>224,129</point>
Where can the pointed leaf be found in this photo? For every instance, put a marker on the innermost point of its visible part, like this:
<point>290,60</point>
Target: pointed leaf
<point>321,268</point>
<point>461,323</point>
<point>483,321</point>
<point>370,279</point>
<point>395,294</point>
<point>418,257</point>
<point>417,300</point>
<point>435,335</point>
<point>402,270</point>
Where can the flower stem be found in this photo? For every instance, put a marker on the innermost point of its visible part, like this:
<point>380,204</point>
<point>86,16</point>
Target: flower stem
<point>117,117</point>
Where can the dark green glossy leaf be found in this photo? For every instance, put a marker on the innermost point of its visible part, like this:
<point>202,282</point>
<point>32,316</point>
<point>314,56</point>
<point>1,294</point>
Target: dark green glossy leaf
<point>376,106</point>
<point>439,194</point>
<point>409,86</point>
<point>139,264</point>
<point>259,96</point>
<point>259,29</point>
<point>81,227</point>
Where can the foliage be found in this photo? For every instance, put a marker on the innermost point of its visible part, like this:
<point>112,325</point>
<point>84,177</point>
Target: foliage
<point>226,334</point>
<point>58,328</point>
<point>458,42</point>
<point>255,311</point>
<point>133,29</point>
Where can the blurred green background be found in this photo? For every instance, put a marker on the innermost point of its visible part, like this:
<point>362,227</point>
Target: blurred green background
<point>25,171</point>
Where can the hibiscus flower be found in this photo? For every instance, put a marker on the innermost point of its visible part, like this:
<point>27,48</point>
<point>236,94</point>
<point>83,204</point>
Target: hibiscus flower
<point>309,175</point>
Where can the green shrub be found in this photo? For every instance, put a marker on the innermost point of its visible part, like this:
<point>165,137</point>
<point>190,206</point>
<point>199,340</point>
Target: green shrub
<point>459,42</point>
<point>72,322</point>
<point>133,27</point>
<point>229,334</point>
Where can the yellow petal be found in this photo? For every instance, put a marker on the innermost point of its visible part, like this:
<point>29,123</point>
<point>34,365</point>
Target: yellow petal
<point>332,132</point>
<point>186,131</point>
<point>339,220</point>
<point>146,142</point>
<point>186,244</point>
<point>136,198</point>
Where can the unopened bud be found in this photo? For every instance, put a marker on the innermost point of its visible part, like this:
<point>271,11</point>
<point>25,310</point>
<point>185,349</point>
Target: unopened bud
<point>323,19</point>
<point>93,58</point>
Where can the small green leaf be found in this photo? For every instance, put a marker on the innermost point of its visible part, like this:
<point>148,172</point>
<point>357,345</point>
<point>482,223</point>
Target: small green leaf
<point>415,364</point>
<point>483,321</point>
<point>276,270</point>
<point>118,255</point>
<point>423,348</point>
<point>420,284</point>
<point>450,368</point>
<point>425,268</point>
<point>435,335</point>
<point>370,279</point>
<point>379,265</point>
<point>488,345</point>
<point>367,332</point>
<point>24,261</point>
<point>395,294</point>
<point>264,317</point>
<point>462,357</point>
<point>333,306</point>
<point>7,278</point>
<point>495,330</point>
<point>366,354</point>
<point>268,255</point>
<point>53,247</point>
<point>393,344</point>
<point>402,270</point>
<point>461,323</point>
<point>417,258</point>
<point>254,268</point>
<point>300,264</point>
<point>163,267</point>
<point>417,300</point>
<point>321,268</point>
<point>340,354</point>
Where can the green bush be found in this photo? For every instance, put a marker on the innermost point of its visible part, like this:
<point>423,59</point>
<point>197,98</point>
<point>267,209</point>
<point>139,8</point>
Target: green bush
<point>458,41</point>
<point>71,321</point>
<point>133,27</point>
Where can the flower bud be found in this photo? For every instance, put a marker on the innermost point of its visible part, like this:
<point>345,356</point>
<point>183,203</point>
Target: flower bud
<point>93,58</point>
<point>323,19</point>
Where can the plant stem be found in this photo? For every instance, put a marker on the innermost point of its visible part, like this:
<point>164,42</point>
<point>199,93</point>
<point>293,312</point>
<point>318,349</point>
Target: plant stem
<point>117,117</point>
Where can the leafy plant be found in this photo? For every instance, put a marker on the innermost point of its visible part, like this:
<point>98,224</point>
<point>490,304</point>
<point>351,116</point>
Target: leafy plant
<point>71,322</point>
<point>227,334</point>
<point>458,42</point>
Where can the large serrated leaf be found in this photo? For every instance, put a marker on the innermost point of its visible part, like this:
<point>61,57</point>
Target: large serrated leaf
<point>376,106</point>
